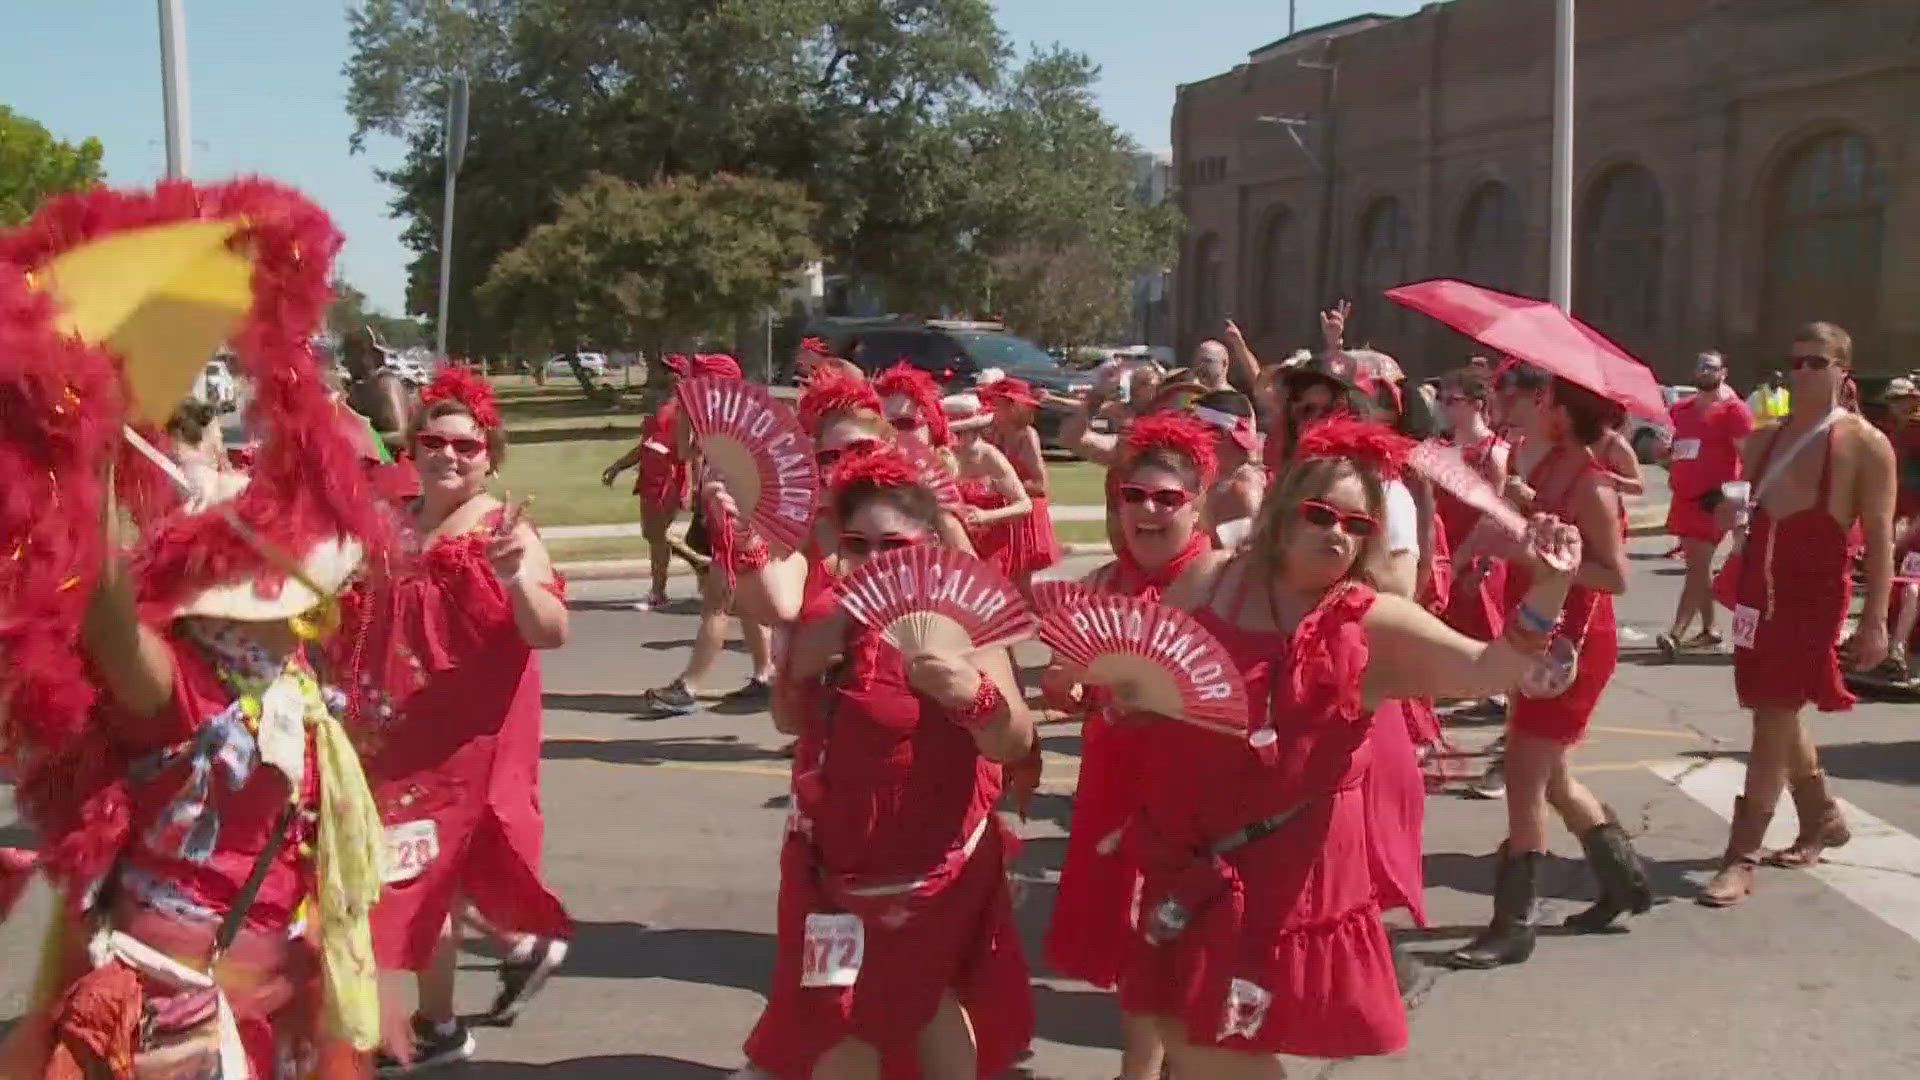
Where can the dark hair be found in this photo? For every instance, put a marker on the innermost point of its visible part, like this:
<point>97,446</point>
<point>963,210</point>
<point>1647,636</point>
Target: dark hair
<point>496,438</point>
<point>1468,382</point>
<point>1587,411</point>
<point>1415,416</point>
<point>189,422</point>
<point>1226,401</point>
<point>1160,458</point>
<point>914,501</point>
<point>1525,377</point>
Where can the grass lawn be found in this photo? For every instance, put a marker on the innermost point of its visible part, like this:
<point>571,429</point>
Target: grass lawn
<point>635,548</point>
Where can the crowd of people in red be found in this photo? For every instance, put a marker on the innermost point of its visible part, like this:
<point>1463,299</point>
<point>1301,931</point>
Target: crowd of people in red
<point>284,740</point>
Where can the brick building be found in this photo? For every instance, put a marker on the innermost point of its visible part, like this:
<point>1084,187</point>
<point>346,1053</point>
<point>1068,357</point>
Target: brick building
<point>1740,166</point>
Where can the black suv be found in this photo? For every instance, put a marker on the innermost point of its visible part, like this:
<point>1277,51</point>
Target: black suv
<point>955,353</point>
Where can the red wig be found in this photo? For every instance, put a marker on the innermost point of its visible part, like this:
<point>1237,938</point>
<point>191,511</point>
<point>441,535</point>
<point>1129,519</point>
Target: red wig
<point>910,382</point>
<point>469,388</point>
<point>1371,446</point>
<point>1179,434</point>
<point>830,394</point>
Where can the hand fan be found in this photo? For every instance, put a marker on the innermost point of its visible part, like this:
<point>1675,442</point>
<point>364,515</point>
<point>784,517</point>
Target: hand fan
<point>1447,469</point>
<point>934,474</point>
<point>756,445</point>
<point>1152,658</point>
<point>1049,596</point>
<point>932,599</point>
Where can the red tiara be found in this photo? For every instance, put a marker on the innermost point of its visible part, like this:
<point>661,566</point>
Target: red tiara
<point>469,388</point>
<point>831,392</point>
<point>910,382</point>
<point>1175,433</point>
<point>1374,446</point>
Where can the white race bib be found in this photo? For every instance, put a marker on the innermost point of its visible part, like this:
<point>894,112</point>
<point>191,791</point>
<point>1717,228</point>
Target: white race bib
<point>1746,622</point>
<point>834,947</point>
<point>1910,566</point>
<point>1686,449</point>
<point>1247,1004</point>
<point>411,846</point>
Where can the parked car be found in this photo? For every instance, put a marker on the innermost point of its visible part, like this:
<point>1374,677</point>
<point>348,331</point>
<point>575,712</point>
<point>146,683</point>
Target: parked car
<point>955,353</point>
<point>1647,436</point>
<point>593,363</point>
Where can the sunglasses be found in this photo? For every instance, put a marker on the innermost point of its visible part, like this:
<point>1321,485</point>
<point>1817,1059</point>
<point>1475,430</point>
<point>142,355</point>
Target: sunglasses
<point>906,423</point>
<point>1458,399</point>
<point>1164,498</point>
<point>859,544</point>
<point>826,458</point>
<point>1812,363</point>
<point>462,446</point>
<point>1326,516</point>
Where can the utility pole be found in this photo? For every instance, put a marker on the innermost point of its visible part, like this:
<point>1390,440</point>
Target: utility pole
<point>1330,184</point>
<point>173,87</point>
<point>456,149</point>
<point>1560,245</point>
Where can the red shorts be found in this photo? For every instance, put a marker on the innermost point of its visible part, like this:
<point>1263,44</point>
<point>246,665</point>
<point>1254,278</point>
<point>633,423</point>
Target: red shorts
<point>1687,521</point>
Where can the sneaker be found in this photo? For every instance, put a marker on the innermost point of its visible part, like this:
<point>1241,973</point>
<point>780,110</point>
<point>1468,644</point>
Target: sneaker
<point>431,1048</point>
<point>521,979</point>
<point>673,699</point>
<point>758,692</point>
<point>1493,785</point>
<point>653,602</point>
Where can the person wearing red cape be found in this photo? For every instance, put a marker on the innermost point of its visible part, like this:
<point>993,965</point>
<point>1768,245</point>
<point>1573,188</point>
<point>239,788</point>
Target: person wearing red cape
<point>893,839</point>
<point>1260,928</point>
<point>1166,464</point>
<point>455,758</point>
<point>185,764</point>
<point>1548,713</point>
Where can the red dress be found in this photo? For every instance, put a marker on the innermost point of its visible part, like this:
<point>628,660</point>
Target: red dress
<point>1292,958</point>
<point>1706,453</point>
<point>662,476</point>
<point>1794,577</point>
<point>1586,617</point>
<point>1477,611</point>
<point>1028,542</point>
<point>460,759</point>
<point>1093,908</point>
<point>893,821</point>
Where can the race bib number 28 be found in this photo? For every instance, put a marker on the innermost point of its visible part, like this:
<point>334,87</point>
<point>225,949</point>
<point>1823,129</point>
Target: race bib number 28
<point>411,846</point>
<point>833,949</point>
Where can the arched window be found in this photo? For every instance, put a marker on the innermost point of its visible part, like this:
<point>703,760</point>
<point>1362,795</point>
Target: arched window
<point>1824,218</point>
<point>1204,280</point>
<point>1617,279</point>
<point>1279,280</point>
<point>1489,238</point>
<point>1386,243</point>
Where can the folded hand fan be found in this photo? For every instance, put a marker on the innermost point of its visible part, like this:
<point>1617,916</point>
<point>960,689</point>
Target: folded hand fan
<point>756,445</point>
<point>1444,466</point>
<point>934,474</point>
<point>1150,657</point>
<point>932,599</point>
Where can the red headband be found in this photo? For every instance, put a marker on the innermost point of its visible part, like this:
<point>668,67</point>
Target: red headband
<point>832,392</point>
<point>1372,446</point>
<point>905,380</point>
<point>1174,433</point>
<point>469,388</point>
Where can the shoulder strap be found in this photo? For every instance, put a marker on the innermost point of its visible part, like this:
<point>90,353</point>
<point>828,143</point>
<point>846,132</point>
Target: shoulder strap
<point>237,911</point>
<point>1773,466</point>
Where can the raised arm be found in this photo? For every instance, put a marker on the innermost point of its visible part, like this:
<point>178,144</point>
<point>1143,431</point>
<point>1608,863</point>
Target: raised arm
<point>521,562</point>
<point>132,659</point>
<point>1243,368</point>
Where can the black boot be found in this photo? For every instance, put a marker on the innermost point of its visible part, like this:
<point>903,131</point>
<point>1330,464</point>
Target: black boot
<point>1508,939</point>
<point>1621,877</point>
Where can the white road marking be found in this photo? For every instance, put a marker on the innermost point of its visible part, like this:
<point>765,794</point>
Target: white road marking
<point>1879,870</point>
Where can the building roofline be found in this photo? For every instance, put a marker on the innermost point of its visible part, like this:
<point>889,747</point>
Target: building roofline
<point>1323,30</point>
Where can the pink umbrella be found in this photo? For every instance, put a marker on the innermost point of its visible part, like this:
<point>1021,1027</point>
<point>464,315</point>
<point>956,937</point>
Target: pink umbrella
<point>1539,334</point>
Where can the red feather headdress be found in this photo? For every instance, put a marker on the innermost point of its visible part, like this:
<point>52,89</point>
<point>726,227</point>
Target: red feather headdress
<point>831,393</point>
<point>881,465</point>
<point>469,388</point>
<point>907,381</point>
<point>815,346</point>
<point>717,364</point>
<point>1175,433</point>
<point>1374,447</point>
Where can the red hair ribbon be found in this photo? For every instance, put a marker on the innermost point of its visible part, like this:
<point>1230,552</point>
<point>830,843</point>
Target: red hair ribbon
<point>1174,433</point>
<point>1371,446</point>
<point>469,388</point>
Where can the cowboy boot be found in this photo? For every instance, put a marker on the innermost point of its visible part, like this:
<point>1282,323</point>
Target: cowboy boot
<point>1821,824</point>
<point>1619,873</point>
<point>1508,939</point>
<point>1734,880</point>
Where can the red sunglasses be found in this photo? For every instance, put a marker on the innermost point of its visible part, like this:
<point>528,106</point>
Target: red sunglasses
<point>461,445</point>
<point>852,543</point>
<point>1326,516</point>
<point>906,423</point>
<point>1164,498</point>
<point>826,458</point>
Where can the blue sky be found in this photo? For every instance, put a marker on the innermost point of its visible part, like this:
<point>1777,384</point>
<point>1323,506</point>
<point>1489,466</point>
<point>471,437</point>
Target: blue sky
<point>267,95</point>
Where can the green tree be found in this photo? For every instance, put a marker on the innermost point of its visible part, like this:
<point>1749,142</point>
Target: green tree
<point>348,312</point>
<point>655,265</point>
<point>34,165</point>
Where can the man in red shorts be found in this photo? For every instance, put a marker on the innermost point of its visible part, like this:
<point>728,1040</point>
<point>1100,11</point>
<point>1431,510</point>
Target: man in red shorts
<point>1704,453</point>
<point>1792,588</point>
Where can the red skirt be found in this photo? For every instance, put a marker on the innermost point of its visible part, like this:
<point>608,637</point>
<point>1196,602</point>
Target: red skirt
<point>1800,593</point>
<point>1026,544</point>
<point>1687,521</point>
<point>1564,719</point>
<point>1480,611</point>
<point>1093,908</point>
<point>1396,794</point>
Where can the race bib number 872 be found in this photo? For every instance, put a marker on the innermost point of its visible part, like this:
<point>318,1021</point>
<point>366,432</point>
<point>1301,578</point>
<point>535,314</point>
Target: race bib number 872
<point>834,947</point>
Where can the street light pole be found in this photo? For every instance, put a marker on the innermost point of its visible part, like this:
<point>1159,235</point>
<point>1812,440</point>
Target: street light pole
<point>456,149</point>
<point>1560,247</point>
<point>173,86</point>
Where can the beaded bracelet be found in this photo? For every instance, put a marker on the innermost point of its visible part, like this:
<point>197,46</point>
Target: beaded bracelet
<point>976,713</point>
<point>1533,620</point>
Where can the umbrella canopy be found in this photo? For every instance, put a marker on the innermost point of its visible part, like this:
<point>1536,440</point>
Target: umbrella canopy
<point>1540,334</point>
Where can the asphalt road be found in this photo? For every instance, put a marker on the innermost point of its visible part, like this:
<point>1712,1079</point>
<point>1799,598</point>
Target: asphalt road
<point>662,837</point>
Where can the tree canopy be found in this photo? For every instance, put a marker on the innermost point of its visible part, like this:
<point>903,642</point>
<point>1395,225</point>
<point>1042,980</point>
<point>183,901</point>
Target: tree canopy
<point>35,165</point>
<point>907,123</point>
<point>348,312</point>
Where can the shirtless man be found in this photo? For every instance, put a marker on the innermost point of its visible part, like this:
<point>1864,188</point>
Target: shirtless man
<point>1792,597</point>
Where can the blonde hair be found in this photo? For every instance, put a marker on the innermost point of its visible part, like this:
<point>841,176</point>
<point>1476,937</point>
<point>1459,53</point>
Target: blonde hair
<point>1826,333</point>
<point>1310,479</point>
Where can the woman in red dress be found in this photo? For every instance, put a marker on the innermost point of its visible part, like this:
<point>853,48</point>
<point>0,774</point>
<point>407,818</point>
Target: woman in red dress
<point>1560,421</point>
<point>1166,463</point>
<point>1475,606</point>
<point>1261,929</point>
<point>662,481</point>
<point>456,770</point>
<point>893,852</point>
<point>1028,540</point>
<point>995,496</point>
